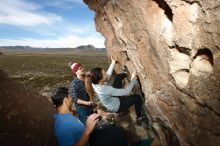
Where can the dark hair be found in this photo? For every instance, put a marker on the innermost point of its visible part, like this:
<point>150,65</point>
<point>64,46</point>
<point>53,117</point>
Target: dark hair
<point>59,95</point>
<point>88,86</point>
<point>96,75</point>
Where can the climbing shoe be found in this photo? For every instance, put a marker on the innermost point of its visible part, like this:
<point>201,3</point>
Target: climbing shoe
<point>124,70</point>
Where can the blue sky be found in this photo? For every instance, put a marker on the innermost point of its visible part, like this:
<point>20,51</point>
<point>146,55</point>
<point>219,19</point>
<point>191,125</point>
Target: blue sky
<point>47,23</point>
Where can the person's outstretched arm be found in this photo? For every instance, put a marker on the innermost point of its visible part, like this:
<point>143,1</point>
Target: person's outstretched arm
<point>90,124</point>
<point>123,91</point>
<point>83,102</point>
<point>111,67</point>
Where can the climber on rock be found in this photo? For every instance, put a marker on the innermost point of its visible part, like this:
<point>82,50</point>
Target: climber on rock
<point>114,98</point>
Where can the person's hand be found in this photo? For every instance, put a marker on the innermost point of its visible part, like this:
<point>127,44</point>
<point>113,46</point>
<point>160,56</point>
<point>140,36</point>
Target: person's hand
<point>134,75</point>
<point>113,60</point>
<point>90,122</point>
<point>91,103</point>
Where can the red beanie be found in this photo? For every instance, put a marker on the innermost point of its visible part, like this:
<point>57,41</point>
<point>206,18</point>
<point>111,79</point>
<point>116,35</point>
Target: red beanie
<point>75,67</point>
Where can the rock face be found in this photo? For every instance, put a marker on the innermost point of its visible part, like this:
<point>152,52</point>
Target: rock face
<point>26,118</point>
<point>174,45</point>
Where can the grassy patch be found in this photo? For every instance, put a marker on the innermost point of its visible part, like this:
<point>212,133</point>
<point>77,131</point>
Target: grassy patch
<point>38,69</point>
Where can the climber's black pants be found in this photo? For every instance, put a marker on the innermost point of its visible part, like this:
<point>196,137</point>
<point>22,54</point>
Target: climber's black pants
<point>127,101</point>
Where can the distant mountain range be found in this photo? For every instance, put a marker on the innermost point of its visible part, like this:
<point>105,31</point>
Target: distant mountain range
<point>83,47</point>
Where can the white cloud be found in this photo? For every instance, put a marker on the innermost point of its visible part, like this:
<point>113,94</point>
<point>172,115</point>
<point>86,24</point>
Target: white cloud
<point>83,29</point>
<point>39,24</point>
<point>22,13</point>
<point>64,4</point>
<point>70,41</point>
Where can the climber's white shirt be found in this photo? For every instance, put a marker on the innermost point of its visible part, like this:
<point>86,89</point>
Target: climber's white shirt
<point>106,93</point>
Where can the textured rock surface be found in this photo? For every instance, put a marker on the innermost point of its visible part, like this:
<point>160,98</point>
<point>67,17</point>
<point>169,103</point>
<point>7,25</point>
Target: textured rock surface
<point>174,45</point>
<point>26,118</point>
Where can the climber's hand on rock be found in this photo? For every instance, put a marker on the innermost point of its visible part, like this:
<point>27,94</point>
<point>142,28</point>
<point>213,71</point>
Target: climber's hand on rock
<point>113,60</point>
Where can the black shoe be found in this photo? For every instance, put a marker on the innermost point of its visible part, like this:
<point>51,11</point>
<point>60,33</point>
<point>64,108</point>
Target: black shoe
<point>123,70</point>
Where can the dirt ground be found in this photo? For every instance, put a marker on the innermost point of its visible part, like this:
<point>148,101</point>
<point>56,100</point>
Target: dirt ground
<point>26,118</point>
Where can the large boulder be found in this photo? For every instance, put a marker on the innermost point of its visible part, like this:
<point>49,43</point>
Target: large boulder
<point>26,118</point>
<point>174,47</point>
